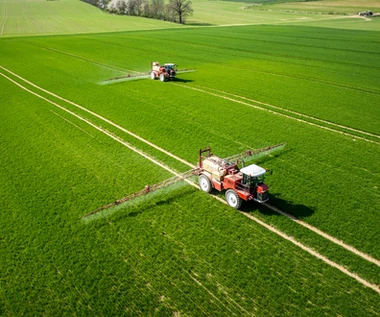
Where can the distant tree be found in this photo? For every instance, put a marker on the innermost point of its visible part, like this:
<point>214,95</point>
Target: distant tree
<point>111,7</point>
<point>121,7</point>
<point>181,9</point>
<point>169,13</point>
<point>174,11</point>
<point>102,4</point>
<point>140,5</point>
<point>157,9</point>
<point>131,6</point>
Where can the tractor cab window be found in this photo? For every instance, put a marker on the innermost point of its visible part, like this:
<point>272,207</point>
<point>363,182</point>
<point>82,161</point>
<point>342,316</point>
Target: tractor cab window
<point>252,181</point>
<point>248,181</point>
<point>259,179</point>
<point>169,67</point>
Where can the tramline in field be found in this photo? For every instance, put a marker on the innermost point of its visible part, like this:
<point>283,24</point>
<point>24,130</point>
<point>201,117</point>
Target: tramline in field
<point>244,184</point>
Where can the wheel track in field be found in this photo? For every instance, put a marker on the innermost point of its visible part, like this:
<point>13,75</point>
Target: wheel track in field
<point>102,118</point>
<point>302,115</point>
<point>312,80</point>
<point>314,229</point>
<point>353,250</point>
<point>123,70</point>
<point>291,114</point>
<point>101,64</point>
<point>125,144</point>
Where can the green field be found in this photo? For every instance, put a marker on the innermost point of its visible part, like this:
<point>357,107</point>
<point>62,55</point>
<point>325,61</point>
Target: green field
<point>20,17</point>
<point>180,252</point>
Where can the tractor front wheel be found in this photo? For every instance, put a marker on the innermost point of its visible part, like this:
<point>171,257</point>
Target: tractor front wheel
<point>233,199</point>
<point>205,183</point>
<point>153,75</point>
<point>162,77</point>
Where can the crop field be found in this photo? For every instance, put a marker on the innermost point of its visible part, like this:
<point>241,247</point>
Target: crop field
<point>71,141</point>
<point>43,17</point>
<point>326,13</point>
<point>331,6</point>
<point>23,17</point>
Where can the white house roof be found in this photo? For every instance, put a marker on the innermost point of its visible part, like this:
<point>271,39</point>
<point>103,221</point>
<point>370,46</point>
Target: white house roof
<point>253,170</point>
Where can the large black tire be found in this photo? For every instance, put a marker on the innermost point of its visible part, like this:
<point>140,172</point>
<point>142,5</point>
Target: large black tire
<point>205,183</point>
<point>233,199</point>
<point>162,77</point>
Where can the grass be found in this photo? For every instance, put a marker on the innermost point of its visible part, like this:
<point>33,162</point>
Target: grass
<point>271,2</point>
<point>331,6</point>
<point>66,17</point>
<point>156,259</point>
<point>182,252</point>
<point>43,17</point>
<point>179,108</point>
<point>330,14</point>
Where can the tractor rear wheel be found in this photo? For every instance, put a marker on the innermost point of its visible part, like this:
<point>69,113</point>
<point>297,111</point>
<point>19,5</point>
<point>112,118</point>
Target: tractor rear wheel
<point>162,77</point>
<point>233,199</point>
<point>205,183</point>
<point>152,75</point>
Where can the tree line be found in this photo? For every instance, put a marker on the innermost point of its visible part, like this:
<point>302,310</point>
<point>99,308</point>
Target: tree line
<point>174,10</point>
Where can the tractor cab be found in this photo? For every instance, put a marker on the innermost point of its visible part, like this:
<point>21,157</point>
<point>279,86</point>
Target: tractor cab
<point>163,72</point>
<point>170,70</point>
<point>170,66</point>
<point>253,178</point>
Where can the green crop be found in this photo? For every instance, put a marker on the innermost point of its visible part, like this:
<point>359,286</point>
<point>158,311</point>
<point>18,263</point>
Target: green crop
<point>65,17</point>
<point>182,252</point>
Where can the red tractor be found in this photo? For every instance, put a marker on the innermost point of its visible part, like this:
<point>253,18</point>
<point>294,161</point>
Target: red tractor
<point>221,174</point>
<point>165,72</point>
<point>244,184</point>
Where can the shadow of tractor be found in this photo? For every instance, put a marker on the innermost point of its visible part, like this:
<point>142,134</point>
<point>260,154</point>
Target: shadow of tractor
<point>296,210</point>
<point>181,80</point>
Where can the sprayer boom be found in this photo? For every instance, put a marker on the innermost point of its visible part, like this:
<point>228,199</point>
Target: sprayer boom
<point>146,190</point>
<point>250,154</point>
<point>211,172</point>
